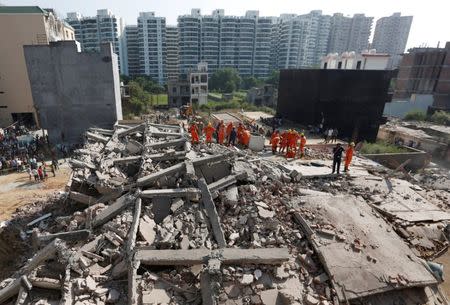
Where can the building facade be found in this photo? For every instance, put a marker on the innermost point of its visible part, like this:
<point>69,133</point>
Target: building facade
<point>425,71</point>
<point>90,32</point>
<point>152,46</point>
<point>240,42</point>
<point>190,88</point>
<point>19,26</point>
<point>349,33</point>
<point>367,60</point>
<point>132,65</point>
<point>73,90</point>
<point>172,53</point>
<point>391,35</point>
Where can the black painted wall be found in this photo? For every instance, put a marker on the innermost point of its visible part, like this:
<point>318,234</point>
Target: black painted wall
<point>350,100</point>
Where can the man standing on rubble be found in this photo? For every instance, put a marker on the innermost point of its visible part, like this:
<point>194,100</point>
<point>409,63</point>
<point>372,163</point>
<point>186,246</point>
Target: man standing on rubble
<point>302,145</point>
<point>228,131</point>
<point>221,133</point>
<point>232,137</point>
<point>274,140</point>
<point>209,131</point>
<point>337,157</point>
<point>348,156</point>
<point>194,133</point>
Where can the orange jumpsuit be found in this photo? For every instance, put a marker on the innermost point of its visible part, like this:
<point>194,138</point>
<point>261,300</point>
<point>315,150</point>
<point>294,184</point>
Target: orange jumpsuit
<point>221,133</point>
<point>348,157</point>
<point>209,131</point>
<point>274,140</point>
<point>228,130</point>
<point>245,137</point>
<point>290,152</point>
<point>302,145</point>
<point>194,133</point>
<point>283,139</point>
<point>240,131</point>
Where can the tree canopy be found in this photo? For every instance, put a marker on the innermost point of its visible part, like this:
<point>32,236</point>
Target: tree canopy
<point>225,80</point>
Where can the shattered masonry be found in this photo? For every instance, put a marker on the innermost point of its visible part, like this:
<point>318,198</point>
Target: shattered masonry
<point>160,222</point>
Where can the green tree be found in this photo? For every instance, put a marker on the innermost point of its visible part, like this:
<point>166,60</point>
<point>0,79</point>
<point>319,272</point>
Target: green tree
<point>441,117</point>
<point>274,78</point>
<point>224,80</point>
<point>250,82</point>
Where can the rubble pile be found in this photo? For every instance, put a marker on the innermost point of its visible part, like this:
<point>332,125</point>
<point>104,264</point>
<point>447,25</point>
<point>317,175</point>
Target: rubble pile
<point>148,219</point>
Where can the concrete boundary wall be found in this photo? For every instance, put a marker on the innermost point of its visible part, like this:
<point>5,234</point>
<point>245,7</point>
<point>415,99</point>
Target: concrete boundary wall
<point>419,159</point>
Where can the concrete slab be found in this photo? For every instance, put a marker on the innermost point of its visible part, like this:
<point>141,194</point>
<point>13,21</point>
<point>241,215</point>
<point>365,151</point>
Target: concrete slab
<point>381,261</point>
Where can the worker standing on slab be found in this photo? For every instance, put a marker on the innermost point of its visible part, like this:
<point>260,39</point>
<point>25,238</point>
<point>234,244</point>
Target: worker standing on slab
<point>349,156</point>
<point>209,131</point>
<point>221,133</point>
<point>228,131</point>
<point>291,143</point>
<point>274,140</point>
<point>194,133</point>
<point>246,137</point>
<point>283,141</point>
<point>232,137</point>
<point>240,131</point>
<point>302,145</point>
<point>337,157</point>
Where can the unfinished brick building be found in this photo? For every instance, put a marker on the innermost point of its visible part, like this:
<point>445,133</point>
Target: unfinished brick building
<point>425,71</point>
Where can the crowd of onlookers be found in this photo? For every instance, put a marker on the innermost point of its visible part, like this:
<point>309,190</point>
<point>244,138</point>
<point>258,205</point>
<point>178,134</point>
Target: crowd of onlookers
<point>23,150</point>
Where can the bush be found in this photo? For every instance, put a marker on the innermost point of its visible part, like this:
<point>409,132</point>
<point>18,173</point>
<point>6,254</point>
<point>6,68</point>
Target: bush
<point>381,147</point>
<point>416,115</point>
<point>441,117</point>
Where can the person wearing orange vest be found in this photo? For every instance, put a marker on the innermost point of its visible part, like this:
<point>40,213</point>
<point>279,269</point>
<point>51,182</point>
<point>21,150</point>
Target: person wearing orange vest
<point>291,143</point>
<point>283,141</point>
<point>274,140</point>
<point>245,137</point>
<point>302,145</point>
<point>221,133</point>
<point>194,133</point>
<point>240,130</point>
<point>349,156</point>
<point>228,131</point>
<point>209,131</point>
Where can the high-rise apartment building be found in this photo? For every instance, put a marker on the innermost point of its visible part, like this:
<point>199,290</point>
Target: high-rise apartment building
<point>19,26</point>
<point>391,35</point>
<point>90,32</point>
<point>172,56</point>
<point>152,46</point>
<point>240,42</point>
<point>349,33</point>
<point>132,65</point>
<point>300,40</point>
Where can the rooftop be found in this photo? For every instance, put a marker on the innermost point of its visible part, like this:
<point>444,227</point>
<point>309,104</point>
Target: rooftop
<point>21,10</point>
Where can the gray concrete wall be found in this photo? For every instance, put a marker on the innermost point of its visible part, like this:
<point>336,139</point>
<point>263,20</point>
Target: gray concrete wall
<point>419,159</point>
<point>73,90</point>
<point>400,108</point>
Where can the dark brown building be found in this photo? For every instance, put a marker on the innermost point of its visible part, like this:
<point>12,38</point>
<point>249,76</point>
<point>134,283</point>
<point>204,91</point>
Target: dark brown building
<point>425,71</point>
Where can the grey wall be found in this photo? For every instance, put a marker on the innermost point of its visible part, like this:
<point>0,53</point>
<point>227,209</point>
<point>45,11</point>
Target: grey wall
<point>400,108</point>
<point>73,90</point>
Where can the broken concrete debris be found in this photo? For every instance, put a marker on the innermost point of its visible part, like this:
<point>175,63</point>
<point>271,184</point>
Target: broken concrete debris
<point>161,224</point>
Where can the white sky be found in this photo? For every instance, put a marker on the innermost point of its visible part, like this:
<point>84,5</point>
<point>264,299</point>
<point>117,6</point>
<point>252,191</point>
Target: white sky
<point>431,21</point>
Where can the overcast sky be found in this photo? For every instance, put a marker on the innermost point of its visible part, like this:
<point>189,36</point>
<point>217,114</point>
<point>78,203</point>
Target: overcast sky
<point>431,21</point>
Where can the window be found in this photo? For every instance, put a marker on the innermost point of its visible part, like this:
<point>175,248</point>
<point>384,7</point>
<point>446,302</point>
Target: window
<point>340,65</point>
<point>358,65</point>
<point>325,65</point>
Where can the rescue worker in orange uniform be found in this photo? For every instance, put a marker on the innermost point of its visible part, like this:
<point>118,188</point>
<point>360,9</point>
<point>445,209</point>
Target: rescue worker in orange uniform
<point>245,137</point>
<point>194,133</point>
<point>302,145</point>
<point>349,156</point>
<point>240,130</point>
<point>221,133</point>
<point>291,144</point>
<point>209,131</point>
<point>274,140</point>
<point>228,131</point>
<point>283,141</point>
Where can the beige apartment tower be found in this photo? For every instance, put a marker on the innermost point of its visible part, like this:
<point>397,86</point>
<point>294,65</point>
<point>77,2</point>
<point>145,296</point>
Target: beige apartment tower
<point>19,26</point>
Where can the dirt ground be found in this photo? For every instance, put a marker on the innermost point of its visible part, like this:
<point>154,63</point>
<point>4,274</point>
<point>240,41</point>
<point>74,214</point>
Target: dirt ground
<point>17,190</point>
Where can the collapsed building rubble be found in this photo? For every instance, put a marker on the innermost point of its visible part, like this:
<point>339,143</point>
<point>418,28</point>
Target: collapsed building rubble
<point>156,221</point>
